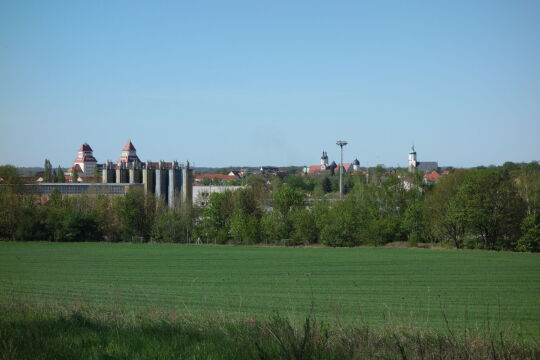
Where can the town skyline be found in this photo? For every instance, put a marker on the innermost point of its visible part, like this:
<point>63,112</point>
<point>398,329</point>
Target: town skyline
<point>348,158</point>
<point>247,84</point>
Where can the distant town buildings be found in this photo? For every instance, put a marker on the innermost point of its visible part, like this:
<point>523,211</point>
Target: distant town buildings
<point>314,170</point>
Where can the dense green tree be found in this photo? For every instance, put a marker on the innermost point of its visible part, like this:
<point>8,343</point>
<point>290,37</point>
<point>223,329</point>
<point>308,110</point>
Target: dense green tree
<point>528,184</point>
<point>215,222</point>
<point>48,171</point>
<point>443,222</point>
<point>491,208</point>
<point>530,238</point>
<point>326,185</point>
<point>60,177</point>
<point>245,202</point>
<point>9,175</point>
<point>300,183</point>
<point>274,227</point>
<point>385,230</point>
<point>287,198</point>
<point>377,174</point>
<point>413,223</point>
<point>10,209</point>
<point>110,222</point>
<point>304,228</point>
<point>77,226</point>
<point>170,226</point>
<point>509,168</point>
<point>30,226</point>
<point>74,174</point>
<point>244,228</point>
<point>341,225</point>
<point>136,214</point>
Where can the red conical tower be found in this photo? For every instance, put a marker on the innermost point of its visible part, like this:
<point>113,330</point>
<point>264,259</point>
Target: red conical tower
<point>129,154</point>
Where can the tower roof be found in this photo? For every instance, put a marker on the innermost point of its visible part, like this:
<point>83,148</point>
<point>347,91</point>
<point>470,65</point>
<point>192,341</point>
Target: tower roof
<point>129,146</point>
<point>85,147</point>
<point>412,150</point>
<point>356,162</point>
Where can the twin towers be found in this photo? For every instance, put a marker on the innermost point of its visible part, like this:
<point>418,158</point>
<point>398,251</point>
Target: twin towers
<point>170,182</point>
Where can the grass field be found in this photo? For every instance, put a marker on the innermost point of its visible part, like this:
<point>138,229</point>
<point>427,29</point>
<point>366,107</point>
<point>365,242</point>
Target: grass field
<point>369,285</point>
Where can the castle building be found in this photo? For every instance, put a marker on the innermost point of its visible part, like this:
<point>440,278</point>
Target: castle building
<point>85,163</point>
<point>129,154</point>
<point>313,170</point>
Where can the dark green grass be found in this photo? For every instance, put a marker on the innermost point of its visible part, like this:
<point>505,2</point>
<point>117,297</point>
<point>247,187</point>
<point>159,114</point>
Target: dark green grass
<point>440,289</point>
<point>42,332</point>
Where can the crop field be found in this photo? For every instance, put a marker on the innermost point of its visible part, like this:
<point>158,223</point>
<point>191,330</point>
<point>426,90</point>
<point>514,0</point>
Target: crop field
<point>431,288</point>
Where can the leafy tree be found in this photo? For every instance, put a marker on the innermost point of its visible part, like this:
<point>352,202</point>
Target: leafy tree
<point>29,226</point>
<point>454,223</point>
<point>413,223</point>
<point>286,199</point>
<point>109,220</point>
<point>74,174</point>
<point>55,210</point>
<point>491,208</point>
<point>384,230</point>
<point>216,218</point>
<point>274,227</point>
<point>509,167</point>
<point>169,227</point>
<point>244,228</point>
<point>528,184</point>
<point>245,202</point>
<point>442,221</point>
<point>304,228</point>
<point>79,227</point>
<point>9,175</point>
<point>136,214</point>
<point>341,226</point>
<point>326,185</point>
<point>48,171</point>
<point>377,174</point>
<point>300,183</point>
<point>10,210</point>
<point>530,239</point>
<point>60,177</point>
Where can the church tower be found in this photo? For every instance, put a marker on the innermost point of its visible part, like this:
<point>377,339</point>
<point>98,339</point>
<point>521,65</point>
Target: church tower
<point>412,159</point>
<point>324,161</point>
<point>356,165</point>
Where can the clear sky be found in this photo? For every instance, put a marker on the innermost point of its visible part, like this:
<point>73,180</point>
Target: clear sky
<point>259,82</point>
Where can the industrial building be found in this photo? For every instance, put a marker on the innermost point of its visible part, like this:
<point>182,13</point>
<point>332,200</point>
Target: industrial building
<point>170,182</point>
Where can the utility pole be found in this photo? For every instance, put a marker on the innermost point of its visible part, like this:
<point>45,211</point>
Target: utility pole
<point>341,144</point>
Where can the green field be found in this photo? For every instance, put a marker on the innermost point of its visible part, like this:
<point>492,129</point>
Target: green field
<point>369,285</point>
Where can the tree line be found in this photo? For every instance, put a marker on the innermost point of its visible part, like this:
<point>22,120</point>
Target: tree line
<point>495,208</point>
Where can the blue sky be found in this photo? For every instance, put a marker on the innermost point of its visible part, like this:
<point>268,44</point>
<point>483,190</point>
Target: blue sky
<point>224,83</point>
